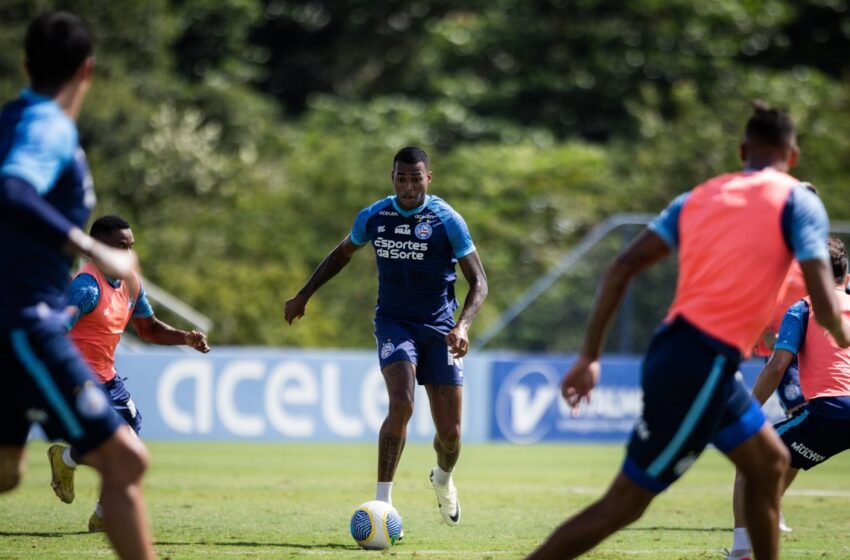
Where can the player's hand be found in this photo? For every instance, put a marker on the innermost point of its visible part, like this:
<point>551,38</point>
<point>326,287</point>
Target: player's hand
<point>579,382</point>
<point>198,341</point>
<point>458,341</point>
<point>294,307</point>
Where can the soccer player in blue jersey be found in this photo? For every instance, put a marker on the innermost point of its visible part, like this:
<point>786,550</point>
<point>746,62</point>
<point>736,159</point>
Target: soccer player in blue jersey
<point>46,195</point>
<point>98,311</point>
<point>417,239</point>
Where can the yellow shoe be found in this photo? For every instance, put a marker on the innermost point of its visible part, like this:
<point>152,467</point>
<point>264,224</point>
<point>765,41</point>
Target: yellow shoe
<point>95,523</point>
<point>62,476</point>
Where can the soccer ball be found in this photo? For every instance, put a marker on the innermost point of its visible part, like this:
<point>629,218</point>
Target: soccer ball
<point>376,525</point>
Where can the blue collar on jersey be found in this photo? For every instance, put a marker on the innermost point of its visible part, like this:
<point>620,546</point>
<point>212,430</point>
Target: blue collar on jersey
<point>34,97</point>
<point>408,213</point>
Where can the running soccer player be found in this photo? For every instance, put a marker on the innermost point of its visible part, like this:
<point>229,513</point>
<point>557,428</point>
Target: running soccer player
<point>417,238</point>
<point>46,195</point>
<point>821,428</point>
<point>736,236</point>
<point>99,310</point>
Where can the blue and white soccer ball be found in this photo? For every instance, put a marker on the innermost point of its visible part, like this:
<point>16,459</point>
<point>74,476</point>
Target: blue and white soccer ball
<point>376,525</point>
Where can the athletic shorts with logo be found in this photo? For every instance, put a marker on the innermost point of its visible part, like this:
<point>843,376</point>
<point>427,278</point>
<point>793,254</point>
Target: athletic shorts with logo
<point>123,403</point>
<point>812,438</point>
<point>45,380</point>
<point>691,398</point>
<point>788,391</point>
<point>422,345</point>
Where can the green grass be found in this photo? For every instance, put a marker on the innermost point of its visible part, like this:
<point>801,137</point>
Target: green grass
<point>295,501</point>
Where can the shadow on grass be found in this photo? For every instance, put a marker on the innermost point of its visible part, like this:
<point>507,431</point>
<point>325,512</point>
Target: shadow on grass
<point>259,544</point>
<point>47,534</point>
<point>685,529</point>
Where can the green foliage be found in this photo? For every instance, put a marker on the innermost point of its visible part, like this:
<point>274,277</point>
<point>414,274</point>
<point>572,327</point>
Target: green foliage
<point>241,137</point>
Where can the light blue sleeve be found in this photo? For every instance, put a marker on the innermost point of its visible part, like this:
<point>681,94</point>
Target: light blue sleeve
<point>456,228</point>
<point>359,235</point>
<point>805,225</point>
<point>41,150</point>
<point>358,231</point>
<point>666,224</point>
<point>84,295</point>
<point>142,309</point>
<point>793,328</point>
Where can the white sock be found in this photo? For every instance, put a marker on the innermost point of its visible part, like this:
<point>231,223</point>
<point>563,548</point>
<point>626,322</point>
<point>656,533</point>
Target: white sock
<point>384,492</point>
<point>442,477</point>
<point>741,539</point>
<point>98,510</point>
<point>66,458</point>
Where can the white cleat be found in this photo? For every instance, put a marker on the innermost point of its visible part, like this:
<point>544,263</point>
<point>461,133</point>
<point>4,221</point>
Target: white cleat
<point>783,527</point>
<point>447,501</point>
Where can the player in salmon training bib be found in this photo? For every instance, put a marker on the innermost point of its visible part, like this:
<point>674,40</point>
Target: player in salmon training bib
<point>99,309</point>
<point>821,428</point>
<point>736,236</point>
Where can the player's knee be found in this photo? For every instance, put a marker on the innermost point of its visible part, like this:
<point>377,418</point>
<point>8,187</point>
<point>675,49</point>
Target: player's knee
<point>125,463</point>
<point>11,469</point>
<point>401,408</point>
<point>10,478</point>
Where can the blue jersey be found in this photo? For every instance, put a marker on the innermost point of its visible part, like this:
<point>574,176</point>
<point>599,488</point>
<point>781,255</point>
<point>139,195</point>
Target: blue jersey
<point>416,251</point>
<point>39,145</point>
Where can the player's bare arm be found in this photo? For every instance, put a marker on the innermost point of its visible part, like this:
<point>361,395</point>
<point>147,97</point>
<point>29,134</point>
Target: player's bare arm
<point>647,249</point>
<point>821,286</point>
<point>336,260</point>
<point>473,271</point>
<point>154,331</point>
<point>771,374</point>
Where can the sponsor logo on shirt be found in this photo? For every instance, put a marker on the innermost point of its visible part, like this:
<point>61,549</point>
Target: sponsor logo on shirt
<point>382,229</point>
<point>427,217</point>
<point>403,229</point>
<point>423,230</point>
<point>400,250</point>
<point>387,213</point>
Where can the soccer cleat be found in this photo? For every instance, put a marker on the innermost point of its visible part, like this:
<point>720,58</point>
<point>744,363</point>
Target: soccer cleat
<point>447,501</point>
<point>95,523</point>
<point>400,536</point>
<point>738,554</point>
<point>61,475</point>
<point>783,527</point>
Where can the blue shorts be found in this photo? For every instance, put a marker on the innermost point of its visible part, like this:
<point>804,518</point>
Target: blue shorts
<point>422,345</point>
<point>45,380</point>
<point>812,438</point>
<point>789,392</point>
<point>691,398</point>
<point>123,404</point>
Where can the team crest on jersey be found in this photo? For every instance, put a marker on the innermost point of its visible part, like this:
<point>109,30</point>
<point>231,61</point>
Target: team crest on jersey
<point>387,349</point>
<point>423,230</point>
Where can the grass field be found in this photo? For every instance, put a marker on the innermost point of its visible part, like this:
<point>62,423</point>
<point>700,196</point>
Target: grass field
<point>295,501</point>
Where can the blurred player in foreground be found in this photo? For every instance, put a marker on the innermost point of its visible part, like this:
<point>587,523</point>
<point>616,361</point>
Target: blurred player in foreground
<point>99,310</point>
<point>417,238</point>
<point>736,236</point>
<point>46,195</point>
<point>821,428</point>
